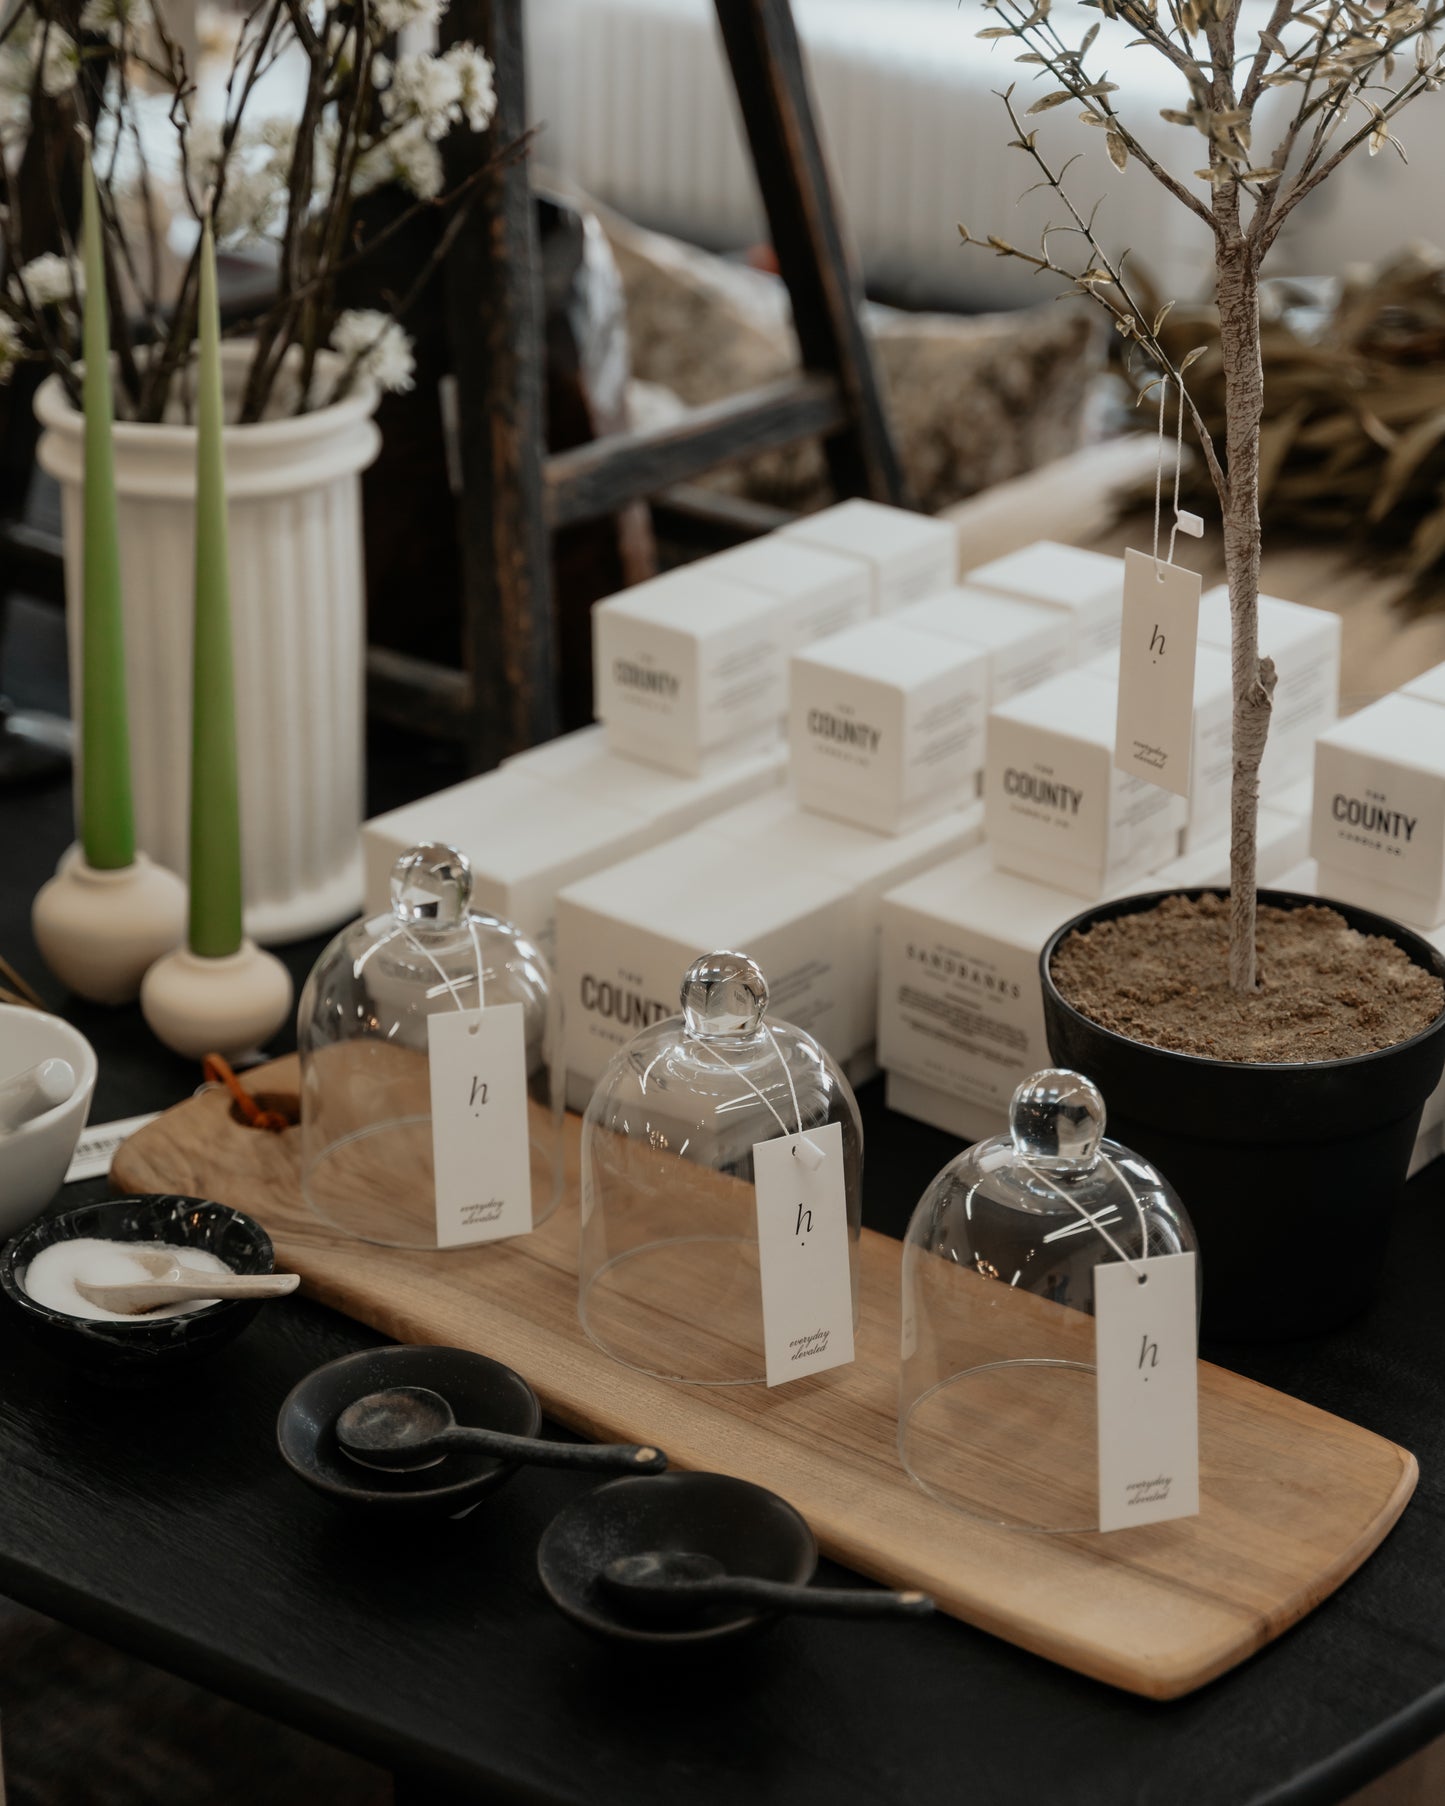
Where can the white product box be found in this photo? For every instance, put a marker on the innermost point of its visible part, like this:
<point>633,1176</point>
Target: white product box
<point>1088,585</point>
<point>907,555</point>
<point>1026,644</point>
<point>885,725</point>
<point>585,766</point>
<point>687,668</point>
<point>954,1115</point>
<point>960,1007</point>
<point>1283,840</point>
<point>525,840</point>
<point>1379,813</point>
<point>1056,809</point>
<point>799,893</point>
<point>1305,646</point>
<point>1304,877</point>
<point>818,592</point>
<point>1211,767</point>
<point>1429,686</point>
<point>626,935</point>
<point>772,829</point>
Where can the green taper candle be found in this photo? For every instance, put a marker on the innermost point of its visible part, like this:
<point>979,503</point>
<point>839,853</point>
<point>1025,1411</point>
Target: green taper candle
<point>215,928</point>
<point>107,824</point>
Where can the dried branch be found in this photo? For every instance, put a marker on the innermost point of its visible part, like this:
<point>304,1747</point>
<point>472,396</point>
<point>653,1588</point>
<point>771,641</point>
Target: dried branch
<point>1101,280</point>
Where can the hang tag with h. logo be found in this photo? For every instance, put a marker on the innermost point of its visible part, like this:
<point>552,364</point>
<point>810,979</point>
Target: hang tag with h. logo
<point>481,1146</point>
<point>1155,729</point>
<point>1147,1366</point>
<point>803,1253</point>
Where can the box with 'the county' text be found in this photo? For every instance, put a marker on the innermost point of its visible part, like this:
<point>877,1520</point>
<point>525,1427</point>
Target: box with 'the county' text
<point>885,725</point>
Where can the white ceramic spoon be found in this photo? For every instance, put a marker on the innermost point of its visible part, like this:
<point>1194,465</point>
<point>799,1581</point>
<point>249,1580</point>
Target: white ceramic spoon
<point>173,1283</point>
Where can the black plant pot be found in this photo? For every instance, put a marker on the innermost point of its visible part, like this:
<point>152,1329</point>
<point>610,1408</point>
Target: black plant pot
<point>1291,1172</point>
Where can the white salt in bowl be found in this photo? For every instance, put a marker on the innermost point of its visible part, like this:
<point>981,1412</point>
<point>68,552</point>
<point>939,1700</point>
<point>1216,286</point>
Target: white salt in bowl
<point>34,1157</point>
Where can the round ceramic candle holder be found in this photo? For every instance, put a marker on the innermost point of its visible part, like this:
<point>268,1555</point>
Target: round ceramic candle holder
<point>100,930</point>
<point>228,1005</point>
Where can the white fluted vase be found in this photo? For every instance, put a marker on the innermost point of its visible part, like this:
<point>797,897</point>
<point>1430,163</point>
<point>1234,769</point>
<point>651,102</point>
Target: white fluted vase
<point>298,626</point>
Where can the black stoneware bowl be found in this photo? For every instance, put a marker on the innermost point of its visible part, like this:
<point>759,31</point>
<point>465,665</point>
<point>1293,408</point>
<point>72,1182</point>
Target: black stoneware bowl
<point>483,1394</point>
<point>148,1349</point>
<point>748,1529</point>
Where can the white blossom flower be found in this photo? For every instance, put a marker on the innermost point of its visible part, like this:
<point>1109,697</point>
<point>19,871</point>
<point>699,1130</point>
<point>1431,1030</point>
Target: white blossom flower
<point>406,156</point>
<point>396,15</point>
<point>49,278</point>
<point>59,59</point>
<point>374,346</point>
<point>14,93</point>
<point>427,88</point>
<point>11,346</point>
<point>253,199</point>
<point>474,72</point>
<point>115,19</point>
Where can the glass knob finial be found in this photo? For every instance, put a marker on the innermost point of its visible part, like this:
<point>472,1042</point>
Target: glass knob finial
<point>431,887</point>
<point>723,994</point>
<point>1057,1117</point>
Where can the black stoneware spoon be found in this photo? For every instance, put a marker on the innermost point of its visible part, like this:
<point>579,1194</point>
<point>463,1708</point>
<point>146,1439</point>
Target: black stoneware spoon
<point>409,1427</point>
<point>670,1586</point>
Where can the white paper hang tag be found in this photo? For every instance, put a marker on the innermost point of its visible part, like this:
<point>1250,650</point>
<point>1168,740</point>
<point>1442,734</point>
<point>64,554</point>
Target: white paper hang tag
<point>480,1143</point>
<point>1147,1366</point>
<point>803,1253</point>
<point>1155,729</point>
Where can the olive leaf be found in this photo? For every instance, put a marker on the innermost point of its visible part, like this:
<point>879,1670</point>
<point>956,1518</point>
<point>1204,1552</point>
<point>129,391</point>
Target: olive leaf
<point>1056,99</point>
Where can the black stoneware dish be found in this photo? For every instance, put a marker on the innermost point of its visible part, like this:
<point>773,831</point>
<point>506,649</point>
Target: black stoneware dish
<point>147,1349</point>
<point>483,1395</point>
<point>749,1530</point>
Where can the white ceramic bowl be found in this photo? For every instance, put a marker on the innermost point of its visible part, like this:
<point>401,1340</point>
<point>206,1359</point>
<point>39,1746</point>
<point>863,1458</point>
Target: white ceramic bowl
<point>34,1157</point>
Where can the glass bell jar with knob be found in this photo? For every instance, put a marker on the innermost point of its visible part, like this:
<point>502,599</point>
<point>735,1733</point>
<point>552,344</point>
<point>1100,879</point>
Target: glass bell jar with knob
<point>367,1046</point>
<point>669,1279</point>
<point>997,1405</point>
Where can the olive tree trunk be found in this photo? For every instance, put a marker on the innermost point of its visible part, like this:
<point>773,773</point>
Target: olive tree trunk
<point>1237,291</point>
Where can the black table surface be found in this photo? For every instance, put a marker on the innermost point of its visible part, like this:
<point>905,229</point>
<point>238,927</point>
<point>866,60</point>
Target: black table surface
<point>166,1523</point>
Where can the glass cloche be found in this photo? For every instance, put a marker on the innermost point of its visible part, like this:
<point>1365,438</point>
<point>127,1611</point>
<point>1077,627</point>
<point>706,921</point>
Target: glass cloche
<point>669,1277</point>
<point>997,1407</point>
<point>367,1135</point>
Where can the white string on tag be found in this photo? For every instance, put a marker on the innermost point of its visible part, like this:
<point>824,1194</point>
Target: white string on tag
<point>1190,523</point>
<point>811,1159</point>
<point>441,971</point>
<point>1095,1221</point>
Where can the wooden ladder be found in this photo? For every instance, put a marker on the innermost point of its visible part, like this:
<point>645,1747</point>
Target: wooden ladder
<point>515,495</point>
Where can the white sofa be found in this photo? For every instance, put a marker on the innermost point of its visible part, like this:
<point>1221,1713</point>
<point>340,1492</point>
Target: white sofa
<point>635,105</point>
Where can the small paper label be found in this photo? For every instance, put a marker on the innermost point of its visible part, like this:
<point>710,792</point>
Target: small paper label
<point>1155,728</point>
<point>480,1143</point>
<point>1146,1359</point>
<point>803,1253</point>
<point>96,1148</point>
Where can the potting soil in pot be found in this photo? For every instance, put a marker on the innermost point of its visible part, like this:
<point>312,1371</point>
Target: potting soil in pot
<point>1326,992</point>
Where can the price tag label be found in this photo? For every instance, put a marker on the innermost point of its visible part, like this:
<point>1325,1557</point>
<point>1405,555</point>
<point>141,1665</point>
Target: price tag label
<point>803,1252</point>
<point>1146,1360</point>
<point>97,1146</point>
<point>1154,734</point>
<point>480,1142</point>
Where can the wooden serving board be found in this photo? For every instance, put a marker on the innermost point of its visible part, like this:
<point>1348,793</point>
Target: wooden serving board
<point>1293,1500</point>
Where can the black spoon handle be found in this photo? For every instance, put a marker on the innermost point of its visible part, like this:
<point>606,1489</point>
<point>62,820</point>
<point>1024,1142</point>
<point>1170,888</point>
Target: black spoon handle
<point>820,1602</point>
<point>608,1457</point>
